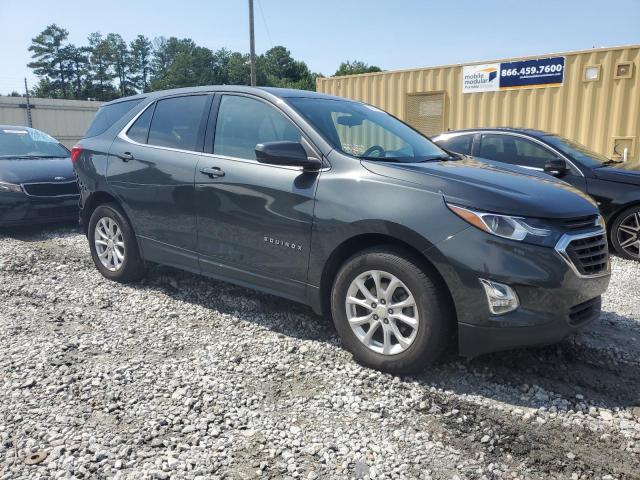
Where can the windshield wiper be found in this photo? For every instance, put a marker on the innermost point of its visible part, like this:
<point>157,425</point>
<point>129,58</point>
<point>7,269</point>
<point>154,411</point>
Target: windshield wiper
<point>383,159</point>
<point>612,162</point>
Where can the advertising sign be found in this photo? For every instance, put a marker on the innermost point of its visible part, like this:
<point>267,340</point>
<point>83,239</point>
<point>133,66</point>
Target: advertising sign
<point>492,77</point>
<point>481,78</point>
<point>532,73</point>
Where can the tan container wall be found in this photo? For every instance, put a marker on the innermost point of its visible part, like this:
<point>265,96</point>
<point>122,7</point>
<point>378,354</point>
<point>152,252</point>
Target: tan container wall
<point>65,120</point>
<point>592,113</point>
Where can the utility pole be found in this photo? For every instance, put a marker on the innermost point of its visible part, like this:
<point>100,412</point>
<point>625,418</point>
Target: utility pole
<point>252,43</point>
<point>26,91</point>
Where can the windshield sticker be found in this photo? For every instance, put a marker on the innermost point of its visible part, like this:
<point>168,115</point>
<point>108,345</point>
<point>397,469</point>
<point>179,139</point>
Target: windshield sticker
<point>15,132</point>
<point>39,136</point>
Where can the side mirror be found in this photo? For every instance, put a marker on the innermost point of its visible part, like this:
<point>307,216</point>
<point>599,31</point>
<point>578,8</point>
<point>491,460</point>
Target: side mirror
<point>286,153</point>
<point>556,167</point>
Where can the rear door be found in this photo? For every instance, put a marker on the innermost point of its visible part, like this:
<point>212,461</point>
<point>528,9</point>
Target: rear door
<point>254,220</point>
<point>151,169</point>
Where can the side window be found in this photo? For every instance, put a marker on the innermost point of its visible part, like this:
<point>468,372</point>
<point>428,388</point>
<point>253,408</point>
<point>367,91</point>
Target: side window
<point>176,122</point>
<point>531,154</point>
<point>244,122</point>
<point>139,131</point>
<point>108,115</point>
<point>459,144</point>
<point>497,147</point>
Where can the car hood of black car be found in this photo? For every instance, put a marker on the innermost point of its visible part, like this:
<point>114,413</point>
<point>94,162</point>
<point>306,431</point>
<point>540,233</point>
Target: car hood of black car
<point>628,172</point>
<point>36,170</point>
<point>491,187</point>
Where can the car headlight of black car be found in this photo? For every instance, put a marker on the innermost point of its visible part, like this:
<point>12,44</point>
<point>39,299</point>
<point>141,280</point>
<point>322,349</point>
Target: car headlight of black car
<point>522,229</point>
<point>10,187</point>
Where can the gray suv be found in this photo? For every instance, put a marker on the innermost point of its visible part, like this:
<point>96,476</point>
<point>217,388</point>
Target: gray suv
<point>339,205</point>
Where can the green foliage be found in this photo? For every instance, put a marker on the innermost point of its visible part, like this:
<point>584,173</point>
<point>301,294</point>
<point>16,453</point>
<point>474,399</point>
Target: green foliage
<point>355,67</point>
<point>107,67</point>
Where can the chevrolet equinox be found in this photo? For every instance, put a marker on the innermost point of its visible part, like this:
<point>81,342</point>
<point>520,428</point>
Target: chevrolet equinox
<point>339,205</point>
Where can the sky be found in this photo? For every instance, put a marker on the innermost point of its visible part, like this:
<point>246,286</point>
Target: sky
<point>392,34</point>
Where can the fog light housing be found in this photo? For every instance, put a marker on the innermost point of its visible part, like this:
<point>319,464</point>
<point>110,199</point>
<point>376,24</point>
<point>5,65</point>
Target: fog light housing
<point>501,298</point>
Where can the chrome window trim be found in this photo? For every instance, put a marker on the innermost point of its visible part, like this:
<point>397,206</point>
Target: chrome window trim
<point>567,238</point>
<point>123,136</point>
<point>521,135</point>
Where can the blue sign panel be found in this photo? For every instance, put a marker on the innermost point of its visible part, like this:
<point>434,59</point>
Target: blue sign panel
<point>532,73</point>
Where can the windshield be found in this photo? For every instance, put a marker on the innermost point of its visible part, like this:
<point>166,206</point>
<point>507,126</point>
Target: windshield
<point>28,142</point>
<point>366,132</point>
<point>578,151</point>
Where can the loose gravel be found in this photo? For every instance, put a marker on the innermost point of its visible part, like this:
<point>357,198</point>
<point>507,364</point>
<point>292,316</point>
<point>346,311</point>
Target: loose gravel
<point>182,377</point>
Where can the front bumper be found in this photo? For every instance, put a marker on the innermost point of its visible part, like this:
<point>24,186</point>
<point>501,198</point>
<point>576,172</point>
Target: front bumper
<point>554,300</point>
<point>21,209</point>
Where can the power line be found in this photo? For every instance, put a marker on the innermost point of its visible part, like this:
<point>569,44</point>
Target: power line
<point>264,20</point>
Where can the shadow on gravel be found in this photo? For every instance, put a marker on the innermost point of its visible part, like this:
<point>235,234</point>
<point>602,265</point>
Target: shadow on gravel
<point>569,368</point>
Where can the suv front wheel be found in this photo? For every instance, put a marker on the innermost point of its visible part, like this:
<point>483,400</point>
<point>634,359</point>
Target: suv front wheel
<point>113,245</point>
<point>389,311</point>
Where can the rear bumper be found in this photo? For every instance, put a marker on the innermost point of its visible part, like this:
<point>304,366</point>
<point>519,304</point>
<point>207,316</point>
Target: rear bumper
<point>554,300</point>
<point>20,209</point>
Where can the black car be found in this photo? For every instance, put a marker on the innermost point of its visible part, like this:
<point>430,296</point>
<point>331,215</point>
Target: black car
<point>339,205</point>
<point>615,185</point>
<point>37,182</point>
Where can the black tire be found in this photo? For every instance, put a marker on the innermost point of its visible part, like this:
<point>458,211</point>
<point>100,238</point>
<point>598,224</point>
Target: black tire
<point>618,237</point>
<point>435,314</point>
<point>132,267</point>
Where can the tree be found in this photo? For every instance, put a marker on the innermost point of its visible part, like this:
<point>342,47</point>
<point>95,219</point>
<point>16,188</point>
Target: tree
<point>121,62</point>
<point>140,68</point>
<point>102,75</point>
<point>79,68</point>
<point>354,68</point>
<point>50,59</point>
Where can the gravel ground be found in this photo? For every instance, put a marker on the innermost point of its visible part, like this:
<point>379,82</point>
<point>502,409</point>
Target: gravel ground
<point>182,377</point>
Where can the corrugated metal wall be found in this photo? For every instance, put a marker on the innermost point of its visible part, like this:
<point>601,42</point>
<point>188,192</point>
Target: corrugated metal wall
<point>65,120</point>
<point>594,113</point>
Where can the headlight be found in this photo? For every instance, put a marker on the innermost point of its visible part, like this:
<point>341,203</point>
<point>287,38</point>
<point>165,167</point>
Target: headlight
<point>505,226</point>
<point>10,187</point>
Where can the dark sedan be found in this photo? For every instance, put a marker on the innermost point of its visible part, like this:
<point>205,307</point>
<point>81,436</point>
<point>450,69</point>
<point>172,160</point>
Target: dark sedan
<point>614,184</point>
<point>37,183</point>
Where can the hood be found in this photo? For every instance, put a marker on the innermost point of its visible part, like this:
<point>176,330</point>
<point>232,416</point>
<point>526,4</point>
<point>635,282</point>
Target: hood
<point>489,187</point>
<point>628,172</point>
<point>23,170</point>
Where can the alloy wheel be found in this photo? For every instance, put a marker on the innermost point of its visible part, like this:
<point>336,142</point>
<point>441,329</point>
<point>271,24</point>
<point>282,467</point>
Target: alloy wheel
<point>629,234</point>
<point>382,312</point>
<point>109,243</point>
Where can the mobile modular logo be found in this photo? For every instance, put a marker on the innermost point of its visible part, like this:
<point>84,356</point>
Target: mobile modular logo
<point>481,78</point>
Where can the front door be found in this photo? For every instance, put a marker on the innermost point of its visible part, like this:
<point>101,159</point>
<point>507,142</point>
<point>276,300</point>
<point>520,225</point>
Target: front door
<point>151,169</point>
<point>254,220</point>
<point>526,153</point>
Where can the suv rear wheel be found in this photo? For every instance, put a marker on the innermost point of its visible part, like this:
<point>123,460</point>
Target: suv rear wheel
<point>389,312</point>
<point>113,245</point>
<point>625,233</point>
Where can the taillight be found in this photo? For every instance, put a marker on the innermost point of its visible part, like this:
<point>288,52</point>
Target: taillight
<point>75,153</point>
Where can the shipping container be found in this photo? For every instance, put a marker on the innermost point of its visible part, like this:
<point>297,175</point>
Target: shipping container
<point>590,96</point>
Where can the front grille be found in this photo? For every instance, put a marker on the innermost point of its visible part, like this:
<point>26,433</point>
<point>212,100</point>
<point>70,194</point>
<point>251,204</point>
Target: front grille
<point>57,189</point>
<point>585,311</point>
<point>589,254</point>
<point>579,223</point>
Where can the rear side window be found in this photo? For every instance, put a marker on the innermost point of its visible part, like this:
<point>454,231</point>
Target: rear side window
<point>244,122</point>
<point>176,122</point>
<point>108,115</point>
<point>139,131</point>
<point>460,144</point>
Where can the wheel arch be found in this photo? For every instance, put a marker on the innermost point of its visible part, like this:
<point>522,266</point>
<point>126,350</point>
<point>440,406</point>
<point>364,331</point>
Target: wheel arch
<point>363,241</point>
<point>93,201</point>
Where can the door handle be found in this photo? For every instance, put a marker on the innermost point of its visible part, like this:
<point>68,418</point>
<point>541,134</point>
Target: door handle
<point>212,172</point>
<point>126,156</point>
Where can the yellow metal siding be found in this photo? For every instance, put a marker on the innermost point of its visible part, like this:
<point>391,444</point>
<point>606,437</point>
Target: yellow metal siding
<point>592,113</point>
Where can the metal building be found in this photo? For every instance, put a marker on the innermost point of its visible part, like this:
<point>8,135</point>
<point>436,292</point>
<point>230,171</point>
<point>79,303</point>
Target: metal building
<point>591,96</point>
<point>65,120</point>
